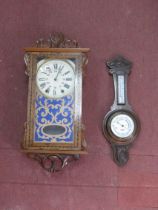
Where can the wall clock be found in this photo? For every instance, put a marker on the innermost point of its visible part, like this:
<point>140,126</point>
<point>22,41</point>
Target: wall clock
<point>53,132</point>
<point>121,124</point>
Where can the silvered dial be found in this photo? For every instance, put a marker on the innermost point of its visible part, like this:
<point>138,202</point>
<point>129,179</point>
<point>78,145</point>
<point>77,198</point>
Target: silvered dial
<point>122,126</point>
<point>55,78</point>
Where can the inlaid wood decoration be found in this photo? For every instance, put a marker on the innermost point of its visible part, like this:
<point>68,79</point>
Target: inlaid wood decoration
<point>54,132</point>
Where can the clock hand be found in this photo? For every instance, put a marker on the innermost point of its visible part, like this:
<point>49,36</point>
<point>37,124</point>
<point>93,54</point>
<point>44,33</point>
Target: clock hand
<point>119,124</point>
<point>58,73</point>
<point>56,76</point>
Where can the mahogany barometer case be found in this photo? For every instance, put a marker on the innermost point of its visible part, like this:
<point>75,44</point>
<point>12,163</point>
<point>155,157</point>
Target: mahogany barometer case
<point>53,131</point>
<point>121,125</point>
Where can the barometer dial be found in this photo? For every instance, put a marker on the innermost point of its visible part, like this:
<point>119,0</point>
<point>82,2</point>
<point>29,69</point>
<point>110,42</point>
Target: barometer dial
<point>122,126</point>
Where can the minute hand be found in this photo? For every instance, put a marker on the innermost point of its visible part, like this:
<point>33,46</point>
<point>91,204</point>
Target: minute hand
<point>58,73</point>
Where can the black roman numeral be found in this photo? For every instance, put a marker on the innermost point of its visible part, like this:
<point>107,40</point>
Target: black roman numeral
<point>42,79</point>
<point>55,66</point>
<point>68,79</point>
<point>47,90</point>
<point>44,72</point>
<point>42,85</point>
<point>48,69</point>
<point>66,86</point>
<point>66,73</point>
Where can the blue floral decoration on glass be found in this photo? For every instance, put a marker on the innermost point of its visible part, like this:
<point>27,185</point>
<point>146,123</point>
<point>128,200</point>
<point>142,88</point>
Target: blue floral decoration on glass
<point>54,112</point>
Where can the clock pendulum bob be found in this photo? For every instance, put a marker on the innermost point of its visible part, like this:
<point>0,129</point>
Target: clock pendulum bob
<point>54,133</point>
<point>120,125</point>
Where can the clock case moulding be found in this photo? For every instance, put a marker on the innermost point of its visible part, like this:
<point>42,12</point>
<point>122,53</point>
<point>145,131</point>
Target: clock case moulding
<point>53,157</point>
<point>120,146</point>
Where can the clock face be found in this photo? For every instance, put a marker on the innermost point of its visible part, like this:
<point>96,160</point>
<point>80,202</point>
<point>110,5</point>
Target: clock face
<point>55,78</point>
<point>122,125</point>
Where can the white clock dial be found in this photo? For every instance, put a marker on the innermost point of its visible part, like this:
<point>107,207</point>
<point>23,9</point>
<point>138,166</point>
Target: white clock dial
<point>55,78</point>
<point>122,125</point>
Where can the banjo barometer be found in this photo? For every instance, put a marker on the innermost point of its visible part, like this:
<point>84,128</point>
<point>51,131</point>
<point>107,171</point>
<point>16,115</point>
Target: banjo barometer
<point>54,132</point>
<point>121,124</point>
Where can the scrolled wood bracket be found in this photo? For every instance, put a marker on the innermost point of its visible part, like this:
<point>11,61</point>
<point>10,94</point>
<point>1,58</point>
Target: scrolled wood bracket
<point>53,162</point>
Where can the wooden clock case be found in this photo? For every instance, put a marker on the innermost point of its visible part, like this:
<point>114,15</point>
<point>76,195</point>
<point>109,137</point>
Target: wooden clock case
<point>53,156</point>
